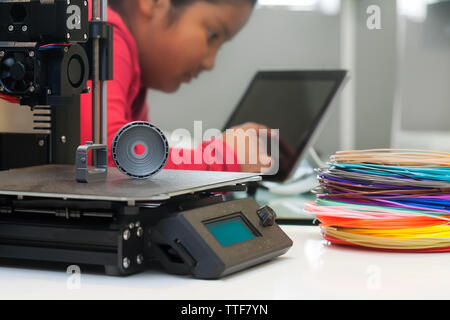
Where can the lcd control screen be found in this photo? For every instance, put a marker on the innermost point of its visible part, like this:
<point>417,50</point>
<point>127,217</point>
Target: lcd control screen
<point>229,231</point>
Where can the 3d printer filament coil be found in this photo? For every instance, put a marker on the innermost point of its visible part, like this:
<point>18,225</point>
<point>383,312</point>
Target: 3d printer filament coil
<point>140,150</point>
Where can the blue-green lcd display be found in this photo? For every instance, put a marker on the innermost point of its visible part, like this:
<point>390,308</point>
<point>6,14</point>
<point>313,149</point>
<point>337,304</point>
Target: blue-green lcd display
<point>230,231</point>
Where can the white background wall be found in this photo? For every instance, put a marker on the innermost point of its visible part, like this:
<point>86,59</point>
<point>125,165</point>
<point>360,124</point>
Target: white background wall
<point>422,110</point>
<point>375,75</point>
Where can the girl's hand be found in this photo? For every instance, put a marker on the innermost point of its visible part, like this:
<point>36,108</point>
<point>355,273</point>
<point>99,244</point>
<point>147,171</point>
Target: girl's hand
<point>245,141</point>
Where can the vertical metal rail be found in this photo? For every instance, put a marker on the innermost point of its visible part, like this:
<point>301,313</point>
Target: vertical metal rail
<point>104,89</point>
<point>98,146</point>
<point>95,78</point>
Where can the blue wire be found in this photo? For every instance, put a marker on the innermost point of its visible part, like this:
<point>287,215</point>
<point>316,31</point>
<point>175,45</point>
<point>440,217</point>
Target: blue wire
<point>429,173</point>
<point>50,47</point>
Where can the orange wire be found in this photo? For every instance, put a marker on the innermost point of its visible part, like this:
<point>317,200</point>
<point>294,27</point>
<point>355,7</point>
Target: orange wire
<point>395,223</point>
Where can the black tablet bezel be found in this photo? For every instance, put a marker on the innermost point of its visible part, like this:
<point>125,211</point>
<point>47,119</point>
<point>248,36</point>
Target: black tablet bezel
<point>336,75</point>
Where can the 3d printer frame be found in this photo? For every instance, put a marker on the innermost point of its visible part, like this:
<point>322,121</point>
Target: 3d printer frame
<point>46,214</point>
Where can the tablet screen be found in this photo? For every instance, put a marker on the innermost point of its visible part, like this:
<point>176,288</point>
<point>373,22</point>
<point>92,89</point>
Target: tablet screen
<point>294,103</point>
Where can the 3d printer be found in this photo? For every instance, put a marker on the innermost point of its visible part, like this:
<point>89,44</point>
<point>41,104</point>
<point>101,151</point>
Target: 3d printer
<point>54,207</point>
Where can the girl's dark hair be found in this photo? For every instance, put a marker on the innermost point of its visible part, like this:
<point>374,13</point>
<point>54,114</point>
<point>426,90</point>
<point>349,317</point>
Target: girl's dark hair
<point>183,3</point>
<point>179,3</point>
<point>178,6</point>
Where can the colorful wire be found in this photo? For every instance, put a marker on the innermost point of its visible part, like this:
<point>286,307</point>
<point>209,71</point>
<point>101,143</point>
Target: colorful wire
<point>385,199</point>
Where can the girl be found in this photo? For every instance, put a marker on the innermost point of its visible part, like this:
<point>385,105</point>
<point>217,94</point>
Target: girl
<point>160,44</point>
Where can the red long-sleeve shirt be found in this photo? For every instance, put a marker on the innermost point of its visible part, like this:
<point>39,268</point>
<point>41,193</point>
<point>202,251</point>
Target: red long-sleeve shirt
<point>127,103</point>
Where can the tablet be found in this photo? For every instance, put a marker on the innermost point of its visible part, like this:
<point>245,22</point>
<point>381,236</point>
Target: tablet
<point>295,102</point>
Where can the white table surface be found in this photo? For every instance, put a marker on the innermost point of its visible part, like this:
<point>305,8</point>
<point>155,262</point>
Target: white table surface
<point>310,270</point>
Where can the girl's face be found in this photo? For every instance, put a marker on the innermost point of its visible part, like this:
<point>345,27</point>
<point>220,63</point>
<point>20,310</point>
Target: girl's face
<point>170,54</point>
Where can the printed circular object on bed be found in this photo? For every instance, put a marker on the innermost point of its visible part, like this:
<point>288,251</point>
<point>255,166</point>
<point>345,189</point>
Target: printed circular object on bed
<point>140,150</point>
